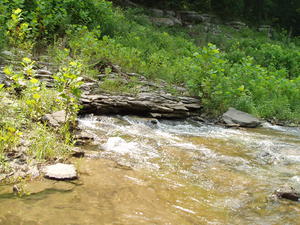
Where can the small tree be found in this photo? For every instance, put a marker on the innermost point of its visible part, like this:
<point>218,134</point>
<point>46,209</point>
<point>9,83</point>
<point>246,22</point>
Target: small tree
<point>68,82</point>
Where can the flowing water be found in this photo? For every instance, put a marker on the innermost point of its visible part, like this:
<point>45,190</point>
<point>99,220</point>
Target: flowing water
<point>177,172</point>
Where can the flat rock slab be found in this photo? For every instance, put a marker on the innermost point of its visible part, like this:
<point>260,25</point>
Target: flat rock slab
<point>60,171</point>
<point>235,117</point>
<point>55,119</point>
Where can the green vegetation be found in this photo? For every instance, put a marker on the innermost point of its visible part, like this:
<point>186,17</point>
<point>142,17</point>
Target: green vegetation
<point>25,102</point>
<point>246,69</point>
<point>119,85</point>
<point>260,75</point>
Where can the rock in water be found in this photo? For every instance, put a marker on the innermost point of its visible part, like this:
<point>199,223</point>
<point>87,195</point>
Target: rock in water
<point>60,171</point>
<point>287,192</point>
<point>293,196</point>
<point>235,117</point>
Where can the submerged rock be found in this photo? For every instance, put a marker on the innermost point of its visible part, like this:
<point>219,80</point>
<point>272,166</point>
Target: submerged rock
<point>60,171</point>
<point>235,117</point>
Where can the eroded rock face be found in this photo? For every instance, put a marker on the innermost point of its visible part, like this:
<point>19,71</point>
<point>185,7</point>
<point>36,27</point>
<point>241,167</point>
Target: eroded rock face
<point>147,104</point>
<point>60,171</point>
<point>153,99</point>
<point>235,117</point>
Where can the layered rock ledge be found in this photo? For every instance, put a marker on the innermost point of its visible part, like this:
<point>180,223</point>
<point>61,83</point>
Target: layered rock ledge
<point>152,100</point>
<point>145,104</point>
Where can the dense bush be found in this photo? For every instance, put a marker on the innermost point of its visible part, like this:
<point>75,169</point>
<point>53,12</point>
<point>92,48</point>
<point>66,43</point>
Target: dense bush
<point>2,29</point>
<point>274,55</point>
<point>50,19</point>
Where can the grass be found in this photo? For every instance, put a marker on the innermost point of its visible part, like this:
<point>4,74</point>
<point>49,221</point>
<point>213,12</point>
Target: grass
<point>120,86</point>
<point>46,144</point>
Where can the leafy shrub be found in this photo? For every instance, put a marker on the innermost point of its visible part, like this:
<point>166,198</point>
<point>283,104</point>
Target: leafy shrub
<point>18,32</point>
<point>35,99</point>
<point>274,55</point>
<point>48,19</point>
<point>68,82</point>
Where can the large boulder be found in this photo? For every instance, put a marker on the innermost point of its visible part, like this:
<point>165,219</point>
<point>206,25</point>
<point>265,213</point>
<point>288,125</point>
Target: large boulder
<point>293,196</point>
<point>170,13</point>
<point>237,25</point>
<point>235,117</point>
<point>168,22</point>
<point>287,192</point>
<point>55,119</point>
<point>157,12</point>
<point>60,171</point>
<point>191,17</point>
<point>267,29</point>
<point>209,18</point>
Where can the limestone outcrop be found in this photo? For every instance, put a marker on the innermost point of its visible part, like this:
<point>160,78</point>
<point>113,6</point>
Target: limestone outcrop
<point>146,104</point>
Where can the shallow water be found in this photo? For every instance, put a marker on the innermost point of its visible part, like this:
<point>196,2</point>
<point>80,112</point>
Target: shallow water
<point>168,173</point>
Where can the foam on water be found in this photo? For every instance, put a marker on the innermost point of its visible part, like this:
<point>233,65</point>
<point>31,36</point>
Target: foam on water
<point>289,130</point>
<point>147,138</point>
<point>184,209</point>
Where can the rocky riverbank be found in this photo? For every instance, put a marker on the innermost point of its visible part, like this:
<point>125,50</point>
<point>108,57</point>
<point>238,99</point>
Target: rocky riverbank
<point>151,99</point>
<point>145,98</point>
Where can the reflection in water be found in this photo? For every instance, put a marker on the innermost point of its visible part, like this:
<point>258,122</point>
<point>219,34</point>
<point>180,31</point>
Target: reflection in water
<point>169,173</point>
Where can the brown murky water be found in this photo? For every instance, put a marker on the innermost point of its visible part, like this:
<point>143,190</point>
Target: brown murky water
<point>169,173</point>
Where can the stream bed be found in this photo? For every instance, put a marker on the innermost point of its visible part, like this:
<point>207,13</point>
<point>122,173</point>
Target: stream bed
<point>142,171</point>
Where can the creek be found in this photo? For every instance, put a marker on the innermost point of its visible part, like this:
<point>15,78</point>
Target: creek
<point>141,171</point>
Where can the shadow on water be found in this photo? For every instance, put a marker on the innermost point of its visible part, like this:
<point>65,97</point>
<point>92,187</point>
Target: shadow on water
<point>34,196</point>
